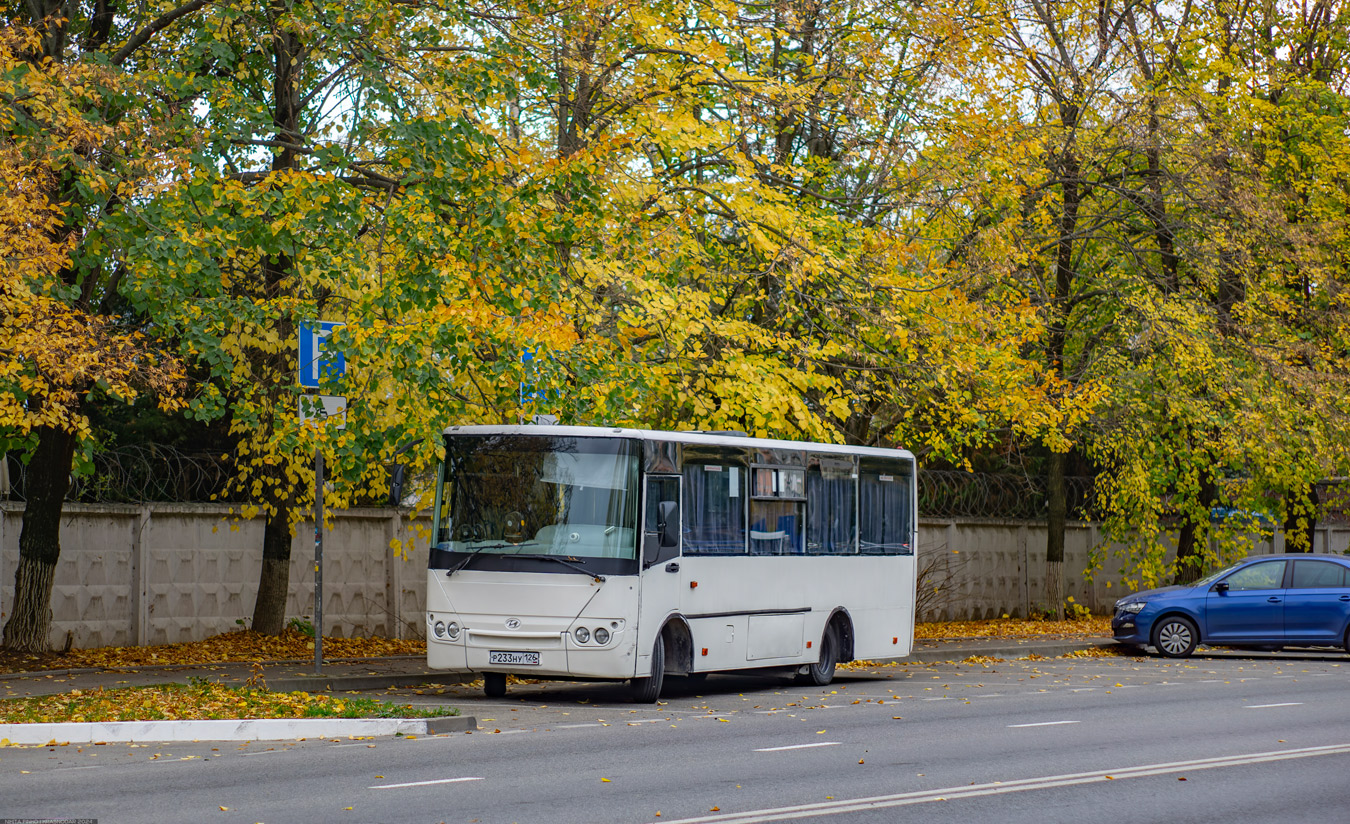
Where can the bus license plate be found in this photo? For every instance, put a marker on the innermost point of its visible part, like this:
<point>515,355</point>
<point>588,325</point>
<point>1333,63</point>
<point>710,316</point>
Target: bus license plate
<point>514,659</point>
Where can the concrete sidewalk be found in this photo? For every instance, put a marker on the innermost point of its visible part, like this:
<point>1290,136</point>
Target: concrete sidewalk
<point>355,674</point>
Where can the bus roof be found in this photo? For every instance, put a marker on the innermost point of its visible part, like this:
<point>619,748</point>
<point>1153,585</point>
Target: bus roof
<point>686,436</point>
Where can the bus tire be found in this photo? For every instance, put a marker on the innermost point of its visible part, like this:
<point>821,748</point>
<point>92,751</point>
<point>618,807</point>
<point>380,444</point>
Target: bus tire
<point>821,673</point>
<point>647,690</point>
<point>494,684</point>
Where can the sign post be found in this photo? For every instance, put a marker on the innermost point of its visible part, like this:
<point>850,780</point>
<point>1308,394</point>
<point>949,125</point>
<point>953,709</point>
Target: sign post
<point>318,562</point>
<point>318,362</point>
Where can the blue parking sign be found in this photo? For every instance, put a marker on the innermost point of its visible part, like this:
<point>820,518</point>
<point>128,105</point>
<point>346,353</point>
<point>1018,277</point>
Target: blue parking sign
<point>318,361</point>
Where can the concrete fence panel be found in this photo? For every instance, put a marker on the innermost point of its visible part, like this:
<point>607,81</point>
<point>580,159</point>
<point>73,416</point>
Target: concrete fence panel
<point>165,573</point>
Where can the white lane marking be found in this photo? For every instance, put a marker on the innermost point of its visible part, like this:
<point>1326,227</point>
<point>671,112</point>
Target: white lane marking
<point>574,726</point>
<point>941,698</point>
<point>1022,785</point>
<point>990,695</point>
<point>1263,706</point>
<point>646,721</point>
<point>422,783</point>
<point>274,752</point>
<point>64,769</point>
<point>799,746</point>
<point>1044,724</point>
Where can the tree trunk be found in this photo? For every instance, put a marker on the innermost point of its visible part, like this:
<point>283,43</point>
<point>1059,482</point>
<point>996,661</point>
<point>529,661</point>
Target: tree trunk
<point>45,488</point>
<point>1190,558</point>
<point>1055,519</point>
<point>274,580</point>
<point>1300,521</point>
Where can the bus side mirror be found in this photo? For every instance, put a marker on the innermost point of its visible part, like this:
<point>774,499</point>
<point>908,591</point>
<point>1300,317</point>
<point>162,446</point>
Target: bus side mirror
<point>667,524</point>
<point>396,484</point>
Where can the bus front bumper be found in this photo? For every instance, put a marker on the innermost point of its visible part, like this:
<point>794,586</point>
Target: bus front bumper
<point>528,653</point>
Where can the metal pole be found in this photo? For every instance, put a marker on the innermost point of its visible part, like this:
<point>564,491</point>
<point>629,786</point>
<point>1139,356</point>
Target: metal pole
<point>318,562</point>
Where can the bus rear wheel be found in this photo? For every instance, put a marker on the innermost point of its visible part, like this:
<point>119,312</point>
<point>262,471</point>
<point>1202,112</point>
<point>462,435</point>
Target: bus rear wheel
<point>821,673</point>
<point>647,690</point>
<point>494,684</point>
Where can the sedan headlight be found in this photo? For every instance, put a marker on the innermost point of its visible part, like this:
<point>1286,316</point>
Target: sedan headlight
<point>1132,607</point>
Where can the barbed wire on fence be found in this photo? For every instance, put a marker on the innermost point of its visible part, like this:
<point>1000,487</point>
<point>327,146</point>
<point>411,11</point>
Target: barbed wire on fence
<point>146,473</point>
<point>141,473</point>
<point>154,473</point>
<point>953,494</point>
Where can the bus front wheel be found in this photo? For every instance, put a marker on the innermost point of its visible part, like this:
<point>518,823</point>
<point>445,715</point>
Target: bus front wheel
<point>821,673</point>
<point>647,690</point>
<point>494,684</point>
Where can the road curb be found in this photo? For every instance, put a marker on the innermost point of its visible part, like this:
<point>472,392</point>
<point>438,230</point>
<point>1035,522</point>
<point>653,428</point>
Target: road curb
<point>345,683</point>
<point>252,729</point>
<point>1044,649</point>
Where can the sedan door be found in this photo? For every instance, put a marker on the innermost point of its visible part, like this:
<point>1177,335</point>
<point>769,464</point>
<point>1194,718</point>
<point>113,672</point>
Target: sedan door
<point>1247,606</point>
<point>1317,603</point>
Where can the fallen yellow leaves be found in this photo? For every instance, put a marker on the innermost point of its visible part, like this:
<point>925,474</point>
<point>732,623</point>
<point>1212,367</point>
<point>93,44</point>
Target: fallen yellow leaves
<point>230,646</point>
<point>176,702</point>
<point>1116,651</point>
<point>1096,625</point>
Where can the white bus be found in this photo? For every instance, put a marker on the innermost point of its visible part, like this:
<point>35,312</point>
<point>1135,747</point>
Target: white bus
<point>621,554</point>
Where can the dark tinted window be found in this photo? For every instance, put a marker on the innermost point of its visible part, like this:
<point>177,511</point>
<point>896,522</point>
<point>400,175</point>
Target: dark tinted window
<point>832,506</point>
<point>1318,574</point>
<point>714,505</point>
<point>884,498</point>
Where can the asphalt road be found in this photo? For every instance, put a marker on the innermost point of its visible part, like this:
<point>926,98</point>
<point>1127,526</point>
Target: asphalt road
<point>1218,738</point>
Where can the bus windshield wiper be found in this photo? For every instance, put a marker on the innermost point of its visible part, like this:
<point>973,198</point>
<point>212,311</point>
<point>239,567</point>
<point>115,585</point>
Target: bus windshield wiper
<point>472,555</point>
<point>570,565</point>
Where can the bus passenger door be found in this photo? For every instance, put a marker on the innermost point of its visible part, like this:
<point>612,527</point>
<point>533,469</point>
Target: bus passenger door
<point>659,596</point>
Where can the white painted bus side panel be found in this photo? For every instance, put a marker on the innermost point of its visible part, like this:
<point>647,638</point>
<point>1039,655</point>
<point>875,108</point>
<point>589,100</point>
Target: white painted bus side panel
<point>723,638</point>
<point>775,636</point>
<point>887,630</point>
<point>876,591</point>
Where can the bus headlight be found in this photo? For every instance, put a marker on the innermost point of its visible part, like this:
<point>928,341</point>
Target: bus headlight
<point>601,635</point>
<point>452,631</point>
<point>582,635</point>
<point>439,629</point>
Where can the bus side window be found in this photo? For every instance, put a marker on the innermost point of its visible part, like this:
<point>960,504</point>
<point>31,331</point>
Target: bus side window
<point>832,506</point>
<point>714,504</point>
<point>884,492</point>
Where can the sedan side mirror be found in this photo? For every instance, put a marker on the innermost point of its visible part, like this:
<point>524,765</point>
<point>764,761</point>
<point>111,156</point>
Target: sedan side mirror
<point>1221,587</point>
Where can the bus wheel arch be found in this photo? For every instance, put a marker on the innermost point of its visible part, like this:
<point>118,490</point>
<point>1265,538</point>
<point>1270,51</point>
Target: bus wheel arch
<point>679,643</point>
<point>843,627</point>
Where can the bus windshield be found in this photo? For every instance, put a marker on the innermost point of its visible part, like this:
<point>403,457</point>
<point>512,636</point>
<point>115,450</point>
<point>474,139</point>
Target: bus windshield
<point>539,495</point>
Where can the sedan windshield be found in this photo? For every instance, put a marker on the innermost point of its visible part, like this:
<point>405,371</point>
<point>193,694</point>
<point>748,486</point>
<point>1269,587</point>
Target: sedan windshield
<point>1214,576</point>
<point>538,495</point>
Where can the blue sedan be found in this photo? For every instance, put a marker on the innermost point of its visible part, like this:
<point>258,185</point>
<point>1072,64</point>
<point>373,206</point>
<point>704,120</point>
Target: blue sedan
<point>1270,600</point>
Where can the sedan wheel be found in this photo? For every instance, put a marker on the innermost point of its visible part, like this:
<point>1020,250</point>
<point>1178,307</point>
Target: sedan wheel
<point>1175,637</point>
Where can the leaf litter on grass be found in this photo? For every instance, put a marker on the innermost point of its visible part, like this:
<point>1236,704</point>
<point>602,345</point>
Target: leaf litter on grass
<point>240,645</point>
<point>200,700</point>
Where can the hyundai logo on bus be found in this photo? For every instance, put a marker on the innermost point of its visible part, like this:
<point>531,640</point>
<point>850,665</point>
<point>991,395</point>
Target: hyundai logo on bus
<point>319,362</point>
<point>513,623</point>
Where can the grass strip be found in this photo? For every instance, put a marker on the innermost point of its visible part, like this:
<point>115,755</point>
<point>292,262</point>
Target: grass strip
<point>200,701</point>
